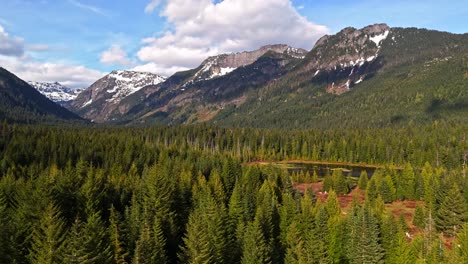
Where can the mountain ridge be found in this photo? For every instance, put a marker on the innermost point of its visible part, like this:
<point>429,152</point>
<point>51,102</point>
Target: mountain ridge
<point>20,102</point>
<point>56,92</point>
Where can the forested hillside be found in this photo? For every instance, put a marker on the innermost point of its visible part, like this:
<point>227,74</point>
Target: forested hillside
<point>19,102</point>
<point>192,195</point>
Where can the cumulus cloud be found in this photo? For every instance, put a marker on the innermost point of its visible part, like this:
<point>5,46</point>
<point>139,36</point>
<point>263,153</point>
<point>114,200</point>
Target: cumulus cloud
<point>14,58</point>
<point>69,75</point>
<point>158,69</point>
<point>9,45</point>
<point>203,28</point>
<point>115,55</point>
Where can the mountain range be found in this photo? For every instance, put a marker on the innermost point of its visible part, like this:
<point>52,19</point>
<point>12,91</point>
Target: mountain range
<point>373,76</point>
<point>56,92</point>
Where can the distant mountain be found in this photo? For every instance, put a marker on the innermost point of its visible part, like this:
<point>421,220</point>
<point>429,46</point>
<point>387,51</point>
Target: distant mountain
<point>223,64</point>
<point>20,102</point>
<point>217,81</point>
<point>56,92</point>
<point>370,77</point>
<point>104,96</point>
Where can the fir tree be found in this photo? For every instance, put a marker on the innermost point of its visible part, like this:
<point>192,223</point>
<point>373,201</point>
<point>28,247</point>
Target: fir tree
<point>119,253</point>
<point>88,242</point>
<point>255,249</point>
<point>363,178</point>
<point>48,238</point>
<point>196,242</point>
<point>364,242</point>
<point>419,217</point>
<point>451,213</point>
<point>386,189</point>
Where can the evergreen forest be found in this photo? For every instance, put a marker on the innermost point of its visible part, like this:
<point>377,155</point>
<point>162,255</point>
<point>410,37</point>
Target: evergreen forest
<point>204,194</point>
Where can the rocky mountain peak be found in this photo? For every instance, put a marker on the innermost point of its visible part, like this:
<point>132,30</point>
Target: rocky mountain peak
<point>56,91</point>
<point>351,50</point>
<point>103,96</point>
<point>223,64</point>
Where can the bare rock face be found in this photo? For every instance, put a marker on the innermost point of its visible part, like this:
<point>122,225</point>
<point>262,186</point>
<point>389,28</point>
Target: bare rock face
<point>348,47</point>
<point>223,64</point>
<point>351,50</point>
<point>103,97</point>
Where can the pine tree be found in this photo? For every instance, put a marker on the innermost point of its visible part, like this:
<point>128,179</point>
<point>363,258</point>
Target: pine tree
<point>315,178</point>
<point>364,242</point>
<point>217,187</point>
<point>401,252</point>
<point>288,212</point>
<point>407,183</point>
<point>461,244</point>
<point>335,239</point>
<point>320,234</point>
<point>386,189</point>
<point>236,219</point>
<point>419,217</point>
<point>362,183</point>
<point>451,213</point>
<point>255,249</point>
<point>150,247</point>
<point>87,243</point>
<point>48,238</point>
<point>295,251</point>
<point>332,205</point>
<point>372,191</point>
<point>5,233</point>
<point>403,224</point>
<point>339,182</point>
<point>196,248</point>
<point>119,253</point>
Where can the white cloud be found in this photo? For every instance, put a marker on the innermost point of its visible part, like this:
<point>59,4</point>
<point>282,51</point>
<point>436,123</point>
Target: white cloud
<point>10,46</point>
<point>115,55</point>
<point>203,28</point>
<point>69,75</point>
<point>14,58</point>
<point>157,69</point>
<point>151,6</point>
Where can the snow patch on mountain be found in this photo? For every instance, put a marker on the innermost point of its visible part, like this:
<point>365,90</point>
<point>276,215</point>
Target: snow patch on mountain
<point>55,91</point>
<point>129,82</point>
<point>377,39</point>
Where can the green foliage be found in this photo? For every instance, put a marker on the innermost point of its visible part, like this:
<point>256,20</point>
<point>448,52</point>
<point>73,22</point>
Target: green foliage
<point>159,195</point>
<point>363,179</point>
<point>452,211</point>
<point>364,238</point>
<point>48,238</point>
<point>255,247</point>
<point>419,217</point>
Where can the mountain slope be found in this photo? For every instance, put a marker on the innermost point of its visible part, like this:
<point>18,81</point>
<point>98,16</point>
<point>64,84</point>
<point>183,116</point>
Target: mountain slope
<point>56,92</point>
<point>22,103</point>
<point>410,76</point>
<point>103,97</point>
<point>199,94</point>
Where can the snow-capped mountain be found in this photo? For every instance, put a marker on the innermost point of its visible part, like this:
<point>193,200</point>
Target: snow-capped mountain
<point>55,91</point>
<point>102,97</point>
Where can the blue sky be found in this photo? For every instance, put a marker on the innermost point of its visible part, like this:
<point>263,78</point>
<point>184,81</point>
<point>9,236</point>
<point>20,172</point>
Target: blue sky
<point>77,41</point>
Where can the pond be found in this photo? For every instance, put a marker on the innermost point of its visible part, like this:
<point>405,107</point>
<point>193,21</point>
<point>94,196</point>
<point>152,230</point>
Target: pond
<point>322,169</point>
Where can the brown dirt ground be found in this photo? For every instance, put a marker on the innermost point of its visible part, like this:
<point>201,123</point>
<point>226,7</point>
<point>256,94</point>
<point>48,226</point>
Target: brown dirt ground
<point>406,208</point>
